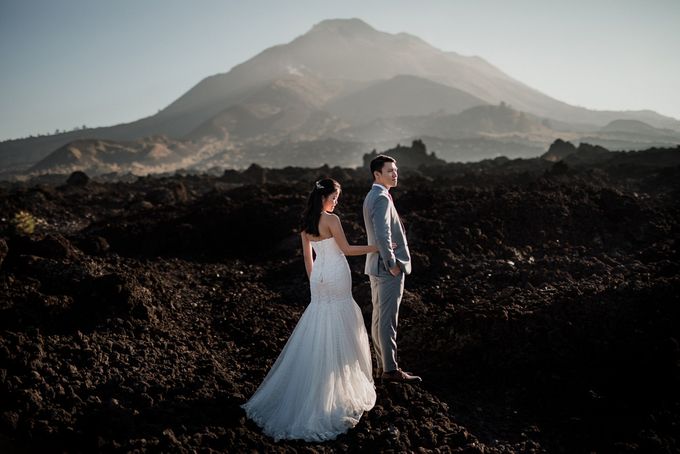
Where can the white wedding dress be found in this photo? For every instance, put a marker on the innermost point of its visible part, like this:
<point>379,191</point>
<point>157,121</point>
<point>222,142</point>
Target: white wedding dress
<point>322,381</point>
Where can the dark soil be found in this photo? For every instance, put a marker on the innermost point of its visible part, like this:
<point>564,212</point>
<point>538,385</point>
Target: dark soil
<point>543,309</point>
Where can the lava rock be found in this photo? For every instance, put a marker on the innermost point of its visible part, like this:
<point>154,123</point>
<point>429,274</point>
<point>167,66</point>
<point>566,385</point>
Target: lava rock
<point>4,249</point>
<point>78,178</point>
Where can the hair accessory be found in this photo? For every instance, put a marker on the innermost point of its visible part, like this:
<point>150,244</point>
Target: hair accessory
<point>318,185</point>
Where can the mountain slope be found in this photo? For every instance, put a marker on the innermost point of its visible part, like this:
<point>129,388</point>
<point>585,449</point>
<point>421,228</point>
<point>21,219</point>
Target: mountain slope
<point>474,122</point>
<point>150,155</point>
<point>485,120</point>
<point>282,108</point>
<point>400,96</point>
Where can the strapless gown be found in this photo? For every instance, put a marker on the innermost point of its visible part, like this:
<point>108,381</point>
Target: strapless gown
<point>322,381</point>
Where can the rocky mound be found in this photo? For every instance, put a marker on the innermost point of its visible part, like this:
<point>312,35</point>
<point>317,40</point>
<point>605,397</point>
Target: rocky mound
<point>414,156</point>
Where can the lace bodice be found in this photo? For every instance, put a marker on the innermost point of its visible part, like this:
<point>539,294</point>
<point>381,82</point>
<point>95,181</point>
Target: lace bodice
<point>331,280</point>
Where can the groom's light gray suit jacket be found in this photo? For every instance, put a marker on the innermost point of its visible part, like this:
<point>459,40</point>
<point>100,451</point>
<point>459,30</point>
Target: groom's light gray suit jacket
<point>383,227</point>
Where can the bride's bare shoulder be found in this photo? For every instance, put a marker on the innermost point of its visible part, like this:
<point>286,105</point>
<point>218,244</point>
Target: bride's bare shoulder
<point>329,217</point>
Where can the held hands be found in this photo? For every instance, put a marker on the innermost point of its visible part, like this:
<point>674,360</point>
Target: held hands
<point>374,248</point>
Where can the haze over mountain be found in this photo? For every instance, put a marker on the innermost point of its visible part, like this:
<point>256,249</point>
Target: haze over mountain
<point>400,96</point>
<point>341,83</point>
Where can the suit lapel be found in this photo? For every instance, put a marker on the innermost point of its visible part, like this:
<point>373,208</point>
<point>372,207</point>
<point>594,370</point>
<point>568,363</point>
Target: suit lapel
<point>393,209</point>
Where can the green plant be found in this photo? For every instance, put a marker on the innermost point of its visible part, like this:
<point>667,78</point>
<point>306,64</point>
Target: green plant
<point>24,223</point>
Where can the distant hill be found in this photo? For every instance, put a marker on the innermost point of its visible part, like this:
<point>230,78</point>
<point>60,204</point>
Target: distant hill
<point>401,96</point>
<point>632,135</point>
<point>152,155</point>
<point>632,126</point>
<point>472,122</point>
<point>636,128</point>
<point>486,120</point>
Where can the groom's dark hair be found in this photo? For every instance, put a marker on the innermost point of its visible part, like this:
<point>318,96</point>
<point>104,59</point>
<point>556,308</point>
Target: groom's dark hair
<point>379,161</point>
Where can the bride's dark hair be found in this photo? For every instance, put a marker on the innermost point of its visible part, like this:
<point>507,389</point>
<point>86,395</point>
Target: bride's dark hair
<point>312,214</point>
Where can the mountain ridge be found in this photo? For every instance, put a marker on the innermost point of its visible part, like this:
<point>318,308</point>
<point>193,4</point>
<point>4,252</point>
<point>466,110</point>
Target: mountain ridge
<point>401,95</point>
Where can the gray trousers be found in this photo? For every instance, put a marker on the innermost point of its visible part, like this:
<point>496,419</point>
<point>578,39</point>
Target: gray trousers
<point>386,293</point>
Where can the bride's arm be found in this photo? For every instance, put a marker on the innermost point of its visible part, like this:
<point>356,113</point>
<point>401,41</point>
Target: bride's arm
<point>307,253</point>
<point>345,247</point>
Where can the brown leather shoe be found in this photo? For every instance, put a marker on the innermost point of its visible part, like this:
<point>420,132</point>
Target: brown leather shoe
<point>400,376</point>
<point>380,372</point>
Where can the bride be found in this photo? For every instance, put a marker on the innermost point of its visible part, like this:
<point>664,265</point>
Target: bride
<point>322,381</point>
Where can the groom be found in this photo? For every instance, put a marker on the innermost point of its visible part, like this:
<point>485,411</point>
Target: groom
<point>386,269</point>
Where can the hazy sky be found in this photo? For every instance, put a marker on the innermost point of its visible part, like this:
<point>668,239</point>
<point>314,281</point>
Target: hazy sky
<point>66,63</point>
